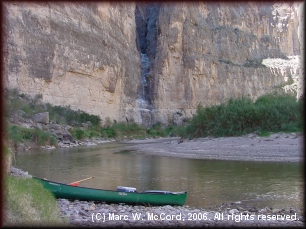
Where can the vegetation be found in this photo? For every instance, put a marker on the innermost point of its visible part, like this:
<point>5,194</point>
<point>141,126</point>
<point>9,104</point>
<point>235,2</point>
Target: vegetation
<point>226,62</point>
<point>21,104</point>
<point>254,64</point>
<point>133,130</point>
<point>29,204</point>
<point>122,130</point>
<point>269,113</point>
<point>18,134</point>
<point>275,112</point>
<point>65,115</point>
<point>7,159</point>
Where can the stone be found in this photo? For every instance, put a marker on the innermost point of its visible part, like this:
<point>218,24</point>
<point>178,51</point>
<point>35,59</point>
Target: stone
<point>81,55</point>
<point>83,213</point>
<point>225,60</point>
<point>41,118</point>
<point>275,211</point>
<point>55,126</point>
<point>64,135</point>
<point>233,211</point>
<point>91,207</point>
<point>85,126</point>
<point>145,62</point>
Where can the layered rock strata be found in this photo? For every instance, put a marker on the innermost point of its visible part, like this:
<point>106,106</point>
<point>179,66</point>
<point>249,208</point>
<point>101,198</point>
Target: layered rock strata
<point>81,55</point>
<point>152,62</point>
<point>210,52</point>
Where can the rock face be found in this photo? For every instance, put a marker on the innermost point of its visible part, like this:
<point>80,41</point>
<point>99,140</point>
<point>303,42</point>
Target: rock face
<point>76,54</point>
<point>150,62</point>
<point>208,53</point>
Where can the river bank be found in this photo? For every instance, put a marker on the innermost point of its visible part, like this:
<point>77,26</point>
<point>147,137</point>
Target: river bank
<point>282,147</point>
<point>90,214</point>
<point>228,214</point>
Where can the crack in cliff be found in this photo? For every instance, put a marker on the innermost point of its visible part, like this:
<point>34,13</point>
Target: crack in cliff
<point>146,18</point>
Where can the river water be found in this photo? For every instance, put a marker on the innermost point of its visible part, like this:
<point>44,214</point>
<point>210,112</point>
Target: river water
<point>208,182</point>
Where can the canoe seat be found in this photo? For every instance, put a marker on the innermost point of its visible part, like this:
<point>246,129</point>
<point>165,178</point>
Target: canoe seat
<point>157,191</point>
<point>126,189</point>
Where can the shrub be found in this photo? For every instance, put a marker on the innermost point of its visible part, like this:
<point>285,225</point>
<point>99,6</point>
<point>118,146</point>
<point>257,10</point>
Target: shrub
<point>66,115</point>
<point>78,133</point>
<point>108,132</point>
<point>129,130</point>
<point>19,134</point>
<point>273,112</point>
<point>41,137</point>
<point>157,131</point>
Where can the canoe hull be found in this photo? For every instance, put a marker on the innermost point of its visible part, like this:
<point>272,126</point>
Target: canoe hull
<point>65,191</point>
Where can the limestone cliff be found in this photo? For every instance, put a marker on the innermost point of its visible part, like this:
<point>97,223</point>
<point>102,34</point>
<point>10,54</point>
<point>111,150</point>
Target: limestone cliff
<point>210,52</point>
<point>151,62</point>
<point>77,54</point>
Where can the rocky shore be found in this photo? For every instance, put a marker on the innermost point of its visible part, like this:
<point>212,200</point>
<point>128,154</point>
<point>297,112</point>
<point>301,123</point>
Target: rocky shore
<point>82,213</point>
<point>281,147</point>
<point>91,214</point>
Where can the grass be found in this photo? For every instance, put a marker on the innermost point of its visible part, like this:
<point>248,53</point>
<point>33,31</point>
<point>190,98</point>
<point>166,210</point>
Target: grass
<point>276,112</point>
<point>22,104</point>
<point>29,204</point>
<point>264,133</point>
<point>269,113</point>
<point>27,106</point>
<point>7,159</point>
<point>26,202</point>
<point>134,131</point>
<point>18,134</point>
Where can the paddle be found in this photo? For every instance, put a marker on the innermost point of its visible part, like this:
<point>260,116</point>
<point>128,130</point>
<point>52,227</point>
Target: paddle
<point>77,183</point>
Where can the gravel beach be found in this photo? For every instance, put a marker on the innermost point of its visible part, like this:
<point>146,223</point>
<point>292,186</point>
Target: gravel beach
<point>277,147</point>
<point>90,214</point>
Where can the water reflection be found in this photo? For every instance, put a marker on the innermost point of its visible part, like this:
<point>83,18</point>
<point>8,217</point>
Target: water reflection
<point>208,182</point>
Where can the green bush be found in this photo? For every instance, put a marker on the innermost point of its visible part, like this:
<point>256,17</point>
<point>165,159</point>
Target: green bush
<point>19,134</point>
<point>108,132</point>
<point>78,133</point>
<point>16,102</point>
<point>66,115</point>
<point>133,130</point>
<point>14,134</point>
<point>41,137</point>
<point>275,112</point>
<point>59,114</point>
<point>128,130</point>
<point>264,133</point>
<point>157,131</point>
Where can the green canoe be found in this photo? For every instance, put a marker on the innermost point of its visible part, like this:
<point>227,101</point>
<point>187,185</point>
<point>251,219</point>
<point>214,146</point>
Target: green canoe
<point>149,197</point>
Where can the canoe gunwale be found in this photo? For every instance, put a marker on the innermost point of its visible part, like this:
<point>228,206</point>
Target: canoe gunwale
<point>158,192</point>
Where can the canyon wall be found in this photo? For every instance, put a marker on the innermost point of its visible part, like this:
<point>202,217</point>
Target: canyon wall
<point>81,55</point>
<point>210,52</point>
<point>151,62</point>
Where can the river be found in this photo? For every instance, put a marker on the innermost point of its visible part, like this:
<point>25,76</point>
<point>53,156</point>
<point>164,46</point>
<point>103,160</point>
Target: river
<point>208,182</point>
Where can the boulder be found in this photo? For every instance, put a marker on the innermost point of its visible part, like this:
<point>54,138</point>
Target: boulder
<point>55,126</point>
<point>64,135</point>
<point>41,118</point>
